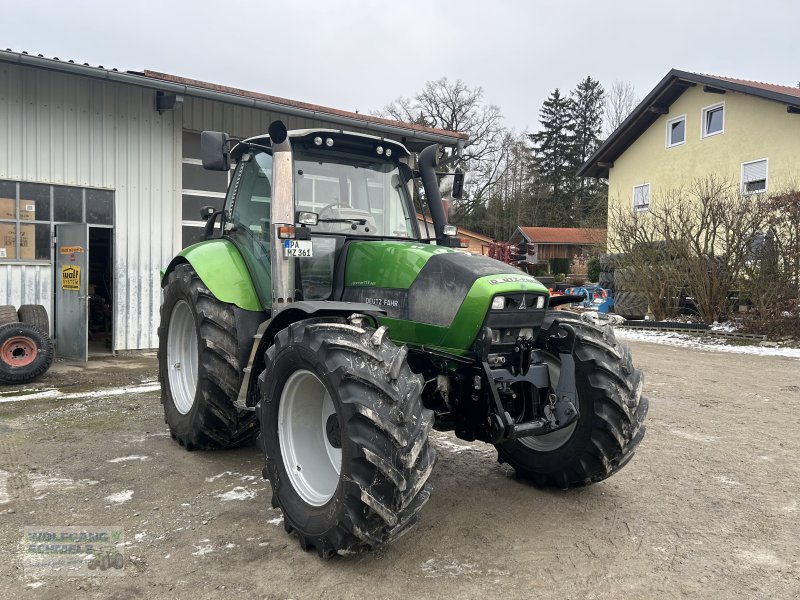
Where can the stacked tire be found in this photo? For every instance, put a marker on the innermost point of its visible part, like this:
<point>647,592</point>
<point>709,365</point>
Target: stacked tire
<point>26,350</point>
<point>627,304</point>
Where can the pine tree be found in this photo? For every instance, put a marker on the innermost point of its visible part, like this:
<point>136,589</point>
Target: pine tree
<point>586,114</point>
<point>554,148</point>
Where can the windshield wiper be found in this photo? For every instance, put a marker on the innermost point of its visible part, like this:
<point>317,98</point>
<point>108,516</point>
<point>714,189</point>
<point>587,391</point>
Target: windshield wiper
<point>357,221</point>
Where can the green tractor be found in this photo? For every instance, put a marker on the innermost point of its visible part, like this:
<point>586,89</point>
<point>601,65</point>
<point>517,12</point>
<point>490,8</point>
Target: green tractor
<point>321,320</point>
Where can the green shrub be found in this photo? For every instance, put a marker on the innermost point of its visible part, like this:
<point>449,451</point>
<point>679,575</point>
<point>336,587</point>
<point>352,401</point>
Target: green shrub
<point>593,268</point>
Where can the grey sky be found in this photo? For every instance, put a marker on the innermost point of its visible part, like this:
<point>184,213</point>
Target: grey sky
<point>361,55</point>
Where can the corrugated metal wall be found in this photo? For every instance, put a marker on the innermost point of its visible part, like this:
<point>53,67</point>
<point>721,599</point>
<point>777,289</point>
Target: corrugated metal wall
<point>65,129</point>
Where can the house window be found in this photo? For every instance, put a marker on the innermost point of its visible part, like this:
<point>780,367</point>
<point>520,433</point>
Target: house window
<point>676,131</point>
<point>713,119</point>
<point>754,176</point>
<point>641,197</point>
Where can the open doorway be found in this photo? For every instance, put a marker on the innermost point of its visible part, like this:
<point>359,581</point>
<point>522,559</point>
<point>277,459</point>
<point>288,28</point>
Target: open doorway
<point>101,292</point>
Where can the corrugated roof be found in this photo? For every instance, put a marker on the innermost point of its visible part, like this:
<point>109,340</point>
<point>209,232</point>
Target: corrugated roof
<point>563,235</point>
<point>193,87</point>
<point>658,101</point>
<point>295,103</point>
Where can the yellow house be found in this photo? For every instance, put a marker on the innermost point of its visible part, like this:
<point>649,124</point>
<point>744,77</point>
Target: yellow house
<point>691,126</point>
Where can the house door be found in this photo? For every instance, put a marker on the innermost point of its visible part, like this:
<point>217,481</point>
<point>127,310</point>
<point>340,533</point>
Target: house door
<point>71,291</point>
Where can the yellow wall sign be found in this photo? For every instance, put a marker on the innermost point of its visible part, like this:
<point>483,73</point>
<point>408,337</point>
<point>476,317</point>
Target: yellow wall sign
<point>70,249</point>
<point>71,278</point>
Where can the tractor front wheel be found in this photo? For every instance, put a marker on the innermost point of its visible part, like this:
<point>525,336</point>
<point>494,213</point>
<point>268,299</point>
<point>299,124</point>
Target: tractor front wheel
<point>611,408</point>
<point>198,366</point>
<point>345,434</point>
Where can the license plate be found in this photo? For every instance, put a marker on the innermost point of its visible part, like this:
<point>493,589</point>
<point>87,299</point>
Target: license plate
<point>298,248</point>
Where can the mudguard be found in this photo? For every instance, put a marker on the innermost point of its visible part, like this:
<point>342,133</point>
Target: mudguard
<point>221,268</point>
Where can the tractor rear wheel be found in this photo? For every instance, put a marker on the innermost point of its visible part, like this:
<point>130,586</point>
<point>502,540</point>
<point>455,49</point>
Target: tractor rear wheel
<point>611,408</point>
<point>345,434</point>
<point>198,366</point>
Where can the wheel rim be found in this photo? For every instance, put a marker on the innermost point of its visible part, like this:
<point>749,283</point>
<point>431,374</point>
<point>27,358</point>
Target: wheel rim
<point>19,351</point>
<point>307,425</point>
<point>551,441</point>
<point>182,356</point>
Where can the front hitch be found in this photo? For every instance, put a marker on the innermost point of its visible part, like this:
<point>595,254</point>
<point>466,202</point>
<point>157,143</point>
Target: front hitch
<point>560,410</point>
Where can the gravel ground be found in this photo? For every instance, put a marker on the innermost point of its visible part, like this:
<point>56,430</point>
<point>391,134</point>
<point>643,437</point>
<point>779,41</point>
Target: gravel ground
<point>708,507</point>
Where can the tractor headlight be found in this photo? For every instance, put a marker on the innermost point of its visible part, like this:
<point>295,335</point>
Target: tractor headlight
<point>540,302</point>
<point>498,303</point>
<point>450,230</point>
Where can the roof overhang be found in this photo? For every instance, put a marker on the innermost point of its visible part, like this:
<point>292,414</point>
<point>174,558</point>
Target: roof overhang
<point>414,136</point>
<point>657,103</point>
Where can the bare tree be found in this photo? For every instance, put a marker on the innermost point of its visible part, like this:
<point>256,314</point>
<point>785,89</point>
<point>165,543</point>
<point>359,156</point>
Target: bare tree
<point>620,100</point>
<point>454,106</point>
<point>700,238</point>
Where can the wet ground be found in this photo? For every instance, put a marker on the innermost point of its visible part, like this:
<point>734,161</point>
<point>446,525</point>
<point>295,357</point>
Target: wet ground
<point>708,508</point>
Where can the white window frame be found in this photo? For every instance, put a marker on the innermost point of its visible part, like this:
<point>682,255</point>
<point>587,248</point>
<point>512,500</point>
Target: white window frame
<point>742,182</point>
<point>669,131</point>
<point>703,112</point>
<point>633,197</point>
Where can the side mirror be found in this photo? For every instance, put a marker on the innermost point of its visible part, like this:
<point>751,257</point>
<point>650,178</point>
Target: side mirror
<point>458,184</point>
<point>214,151</point>
<point>406,171</point>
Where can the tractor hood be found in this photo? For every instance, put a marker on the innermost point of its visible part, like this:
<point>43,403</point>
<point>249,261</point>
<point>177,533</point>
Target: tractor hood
<point>433,296</point>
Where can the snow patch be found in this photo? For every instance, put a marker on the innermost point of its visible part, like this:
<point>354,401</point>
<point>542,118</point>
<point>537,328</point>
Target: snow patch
<point>213,478</point>
<point>120,497</point>
<point>693,436</point>
<point>35,584</point>
<point>449,567</point>
<point>237,493</point>
<point>275,521</point>
<point>203,549</point>
<point>139,537</point>
<point>4,497</point>
<point>53,394</point>
<point>759,558</point>
<point>128,458</point>
<point>726,480</point>
<point>682,340</point>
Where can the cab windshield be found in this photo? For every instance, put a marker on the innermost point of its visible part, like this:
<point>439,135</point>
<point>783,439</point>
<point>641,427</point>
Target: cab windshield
<point>353,194</point>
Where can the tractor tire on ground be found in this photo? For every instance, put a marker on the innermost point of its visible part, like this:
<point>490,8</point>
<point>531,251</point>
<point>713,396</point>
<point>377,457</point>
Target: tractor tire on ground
<point>346,436</point>
<point>198,366</point>
<point>26,352</point>
<point>8,314</point>
<point>609,428</point>
<point>36,315</point>
<point>630,305</point>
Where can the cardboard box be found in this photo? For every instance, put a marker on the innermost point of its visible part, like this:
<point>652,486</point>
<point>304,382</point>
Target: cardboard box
<point>8,240</point>
<point>27,209</point>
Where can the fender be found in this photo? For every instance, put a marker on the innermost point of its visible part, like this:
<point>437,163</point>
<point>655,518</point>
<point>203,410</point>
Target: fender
<point>221,268</point>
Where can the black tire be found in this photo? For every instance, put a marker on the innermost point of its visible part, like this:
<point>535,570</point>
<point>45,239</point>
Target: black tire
<point>383,429</point>
<point>213,421</point>
<point>630,305</point>
<point>606,280</point>
<point>36,315</point>
<point>26,353</point>
<point>8,314</point>
<point>612,413</point>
